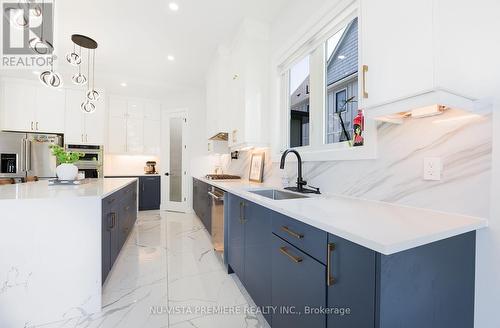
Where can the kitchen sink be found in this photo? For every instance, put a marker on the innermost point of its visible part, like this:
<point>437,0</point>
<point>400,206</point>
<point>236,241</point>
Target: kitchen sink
<point>277,194</point>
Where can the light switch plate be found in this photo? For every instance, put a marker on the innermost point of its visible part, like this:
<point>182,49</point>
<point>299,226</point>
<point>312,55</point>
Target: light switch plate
<point>433,168</point>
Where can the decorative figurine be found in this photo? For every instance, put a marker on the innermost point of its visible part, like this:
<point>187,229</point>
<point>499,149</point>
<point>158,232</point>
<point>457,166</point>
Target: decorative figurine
<point>359,126</point>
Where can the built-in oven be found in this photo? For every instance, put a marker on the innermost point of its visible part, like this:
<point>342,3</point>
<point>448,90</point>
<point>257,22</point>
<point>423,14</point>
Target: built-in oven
<point>89,165</point>
<point>217,196</point>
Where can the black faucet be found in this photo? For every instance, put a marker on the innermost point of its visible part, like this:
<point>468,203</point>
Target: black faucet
<point>300,181</point>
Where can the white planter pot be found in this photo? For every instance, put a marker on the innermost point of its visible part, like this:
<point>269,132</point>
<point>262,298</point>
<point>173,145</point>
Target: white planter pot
<point>67,172</point>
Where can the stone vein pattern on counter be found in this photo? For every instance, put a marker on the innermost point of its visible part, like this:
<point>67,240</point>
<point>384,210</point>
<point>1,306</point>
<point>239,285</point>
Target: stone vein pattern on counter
<point>383,227</point>
<point>99,188</point>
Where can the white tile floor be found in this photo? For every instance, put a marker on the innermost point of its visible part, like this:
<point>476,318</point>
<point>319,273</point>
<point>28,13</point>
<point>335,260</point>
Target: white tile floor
<point>167,275</point>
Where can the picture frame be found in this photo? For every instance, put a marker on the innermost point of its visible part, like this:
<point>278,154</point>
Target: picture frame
<point>256,173</point>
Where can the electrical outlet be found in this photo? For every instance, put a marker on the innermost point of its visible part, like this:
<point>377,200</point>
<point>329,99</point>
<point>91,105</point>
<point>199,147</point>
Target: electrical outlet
<point>432,168</point>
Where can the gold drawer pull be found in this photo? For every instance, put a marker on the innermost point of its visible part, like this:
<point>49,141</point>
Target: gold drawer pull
<point>296,259</point>
<point>330,280</point>
<point>293,233</point>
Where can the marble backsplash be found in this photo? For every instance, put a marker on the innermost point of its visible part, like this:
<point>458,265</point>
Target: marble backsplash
<point>462,140</point>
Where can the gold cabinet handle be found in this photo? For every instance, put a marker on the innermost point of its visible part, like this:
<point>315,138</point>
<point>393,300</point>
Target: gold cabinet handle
<point>292,233</point>
<point>36,126</point>
<point>365,70</point>
<point>242,212</point>
<point>330,280</point>
<point>296,259</point>
<point>31,125</point>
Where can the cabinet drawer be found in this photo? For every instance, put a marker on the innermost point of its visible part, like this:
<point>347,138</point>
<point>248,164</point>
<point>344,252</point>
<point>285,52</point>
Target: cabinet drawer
<point>298,282</point>
<point>306,238</point>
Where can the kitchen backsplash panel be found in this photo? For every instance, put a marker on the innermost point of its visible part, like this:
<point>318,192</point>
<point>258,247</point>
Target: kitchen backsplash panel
<point>463,141</point>
<point>127,164</point>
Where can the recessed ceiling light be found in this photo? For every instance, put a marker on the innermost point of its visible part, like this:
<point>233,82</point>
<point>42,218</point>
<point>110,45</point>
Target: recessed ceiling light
<point>341,57</point>
<point>170,57</point>
<point>173,6</point>
<point>123,84</point>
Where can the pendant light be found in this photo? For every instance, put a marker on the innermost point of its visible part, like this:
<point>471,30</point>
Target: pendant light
<point>43,47</point>
<point>39,44</point>
<point>75,59</point>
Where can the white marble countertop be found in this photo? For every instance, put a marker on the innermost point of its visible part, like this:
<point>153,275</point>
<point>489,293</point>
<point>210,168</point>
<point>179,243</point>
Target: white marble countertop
<point>383,227</point>
<point>41,190</point>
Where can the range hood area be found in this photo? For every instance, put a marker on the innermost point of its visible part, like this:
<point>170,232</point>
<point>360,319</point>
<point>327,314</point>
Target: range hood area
<point>220,136</point>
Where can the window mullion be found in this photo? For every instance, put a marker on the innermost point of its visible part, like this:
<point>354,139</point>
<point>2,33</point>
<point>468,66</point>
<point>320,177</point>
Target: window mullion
<point>317,98</point>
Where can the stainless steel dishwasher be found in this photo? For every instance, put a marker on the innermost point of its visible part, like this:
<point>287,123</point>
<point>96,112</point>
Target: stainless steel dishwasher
<point>217,232</point>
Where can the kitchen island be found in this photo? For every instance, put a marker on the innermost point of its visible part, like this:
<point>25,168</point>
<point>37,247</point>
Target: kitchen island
<point>57,243</point>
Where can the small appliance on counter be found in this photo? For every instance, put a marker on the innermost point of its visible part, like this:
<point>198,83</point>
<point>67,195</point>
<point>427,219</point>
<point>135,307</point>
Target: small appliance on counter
<point>150,167</point>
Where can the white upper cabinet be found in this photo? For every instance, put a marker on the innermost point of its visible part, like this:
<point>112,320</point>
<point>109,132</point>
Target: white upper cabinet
<point>50,110</point>
<point>397,48</point>
<point>152,128</point>
<point>402,65</point>
<point>30,107</point>
<point>134,126</point>
<point>18,106</point>
<point>75,126</point>
<point>237,87</point>
<point>80,127</point>
<point>117,135</point>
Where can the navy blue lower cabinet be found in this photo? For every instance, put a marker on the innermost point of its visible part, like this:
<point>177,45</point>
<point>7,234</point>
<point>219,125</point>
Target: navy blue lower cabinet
<point>149,192</point>
<point>119,213</point>
<point>298,287</point>
<point>429,286</point>
<point>235,247</point>
<point>351,271</point>
<point>202,203</point>
<point>257,254</point>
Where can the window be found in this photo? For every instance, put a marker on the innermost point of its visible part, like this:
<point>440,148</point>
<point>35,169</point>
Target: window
<point>299,103</point>
<point>341,83</point>
<point>319,95</point>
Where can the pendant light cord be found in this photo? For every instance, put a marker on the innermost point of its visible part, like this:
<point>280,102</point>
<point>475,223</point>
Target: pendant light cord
<point>93,70</point>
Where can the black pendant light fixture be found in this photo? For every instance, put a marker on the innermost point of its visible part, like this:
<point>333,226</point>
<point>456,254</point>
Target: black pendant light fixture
<point>76,59</point>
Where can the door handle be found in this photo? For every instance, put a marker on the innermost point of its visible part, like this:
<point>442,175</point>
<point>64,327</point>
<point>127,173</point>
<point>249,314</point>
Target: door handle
<point>214,196</point>
<point>296,259</point>
<point>330,280</point>
<point>365,70</point>
<point>292,233</point>
<point>242,213</point>
<point>167,174</point>
<point>28,155</point>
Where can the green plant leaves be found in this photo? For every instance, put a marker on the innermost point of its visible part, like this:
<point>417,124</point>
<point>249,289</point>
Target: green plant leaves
<point>65,157</point>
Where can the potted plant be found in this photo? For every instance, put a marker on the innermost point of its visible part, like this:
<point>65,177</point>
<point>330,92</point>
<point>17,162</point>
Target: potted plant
<point>66,170</point>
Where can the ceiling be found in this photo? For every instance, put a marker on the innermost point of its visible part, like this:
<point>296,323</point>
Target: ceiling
<point>135,38</point>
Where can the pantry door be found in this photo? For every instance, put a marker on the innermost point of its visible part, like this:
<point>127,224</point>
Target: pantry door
<point>174,160</point>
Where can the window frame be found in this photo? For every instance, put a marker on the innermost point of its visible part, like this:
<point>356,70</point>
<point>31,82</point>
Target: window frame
<point>315,47</point>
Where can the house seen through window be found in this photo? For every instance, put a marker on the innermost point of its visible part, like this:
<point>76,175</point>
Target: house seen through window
<point>341,83</point>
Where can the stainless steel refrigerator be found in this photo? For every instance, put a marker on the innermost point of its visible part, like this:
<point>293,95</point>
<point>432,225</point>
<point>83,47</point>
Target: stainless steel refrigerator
<point>27,154</point>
